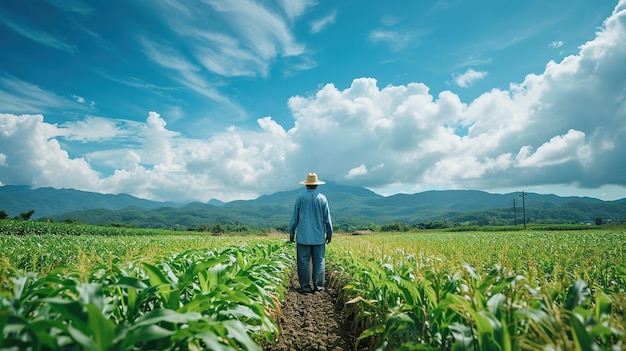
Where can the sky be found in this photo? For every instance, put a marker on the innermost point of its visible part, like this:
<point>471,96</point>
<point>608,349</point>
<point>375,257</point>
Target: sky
<point>177,100</point>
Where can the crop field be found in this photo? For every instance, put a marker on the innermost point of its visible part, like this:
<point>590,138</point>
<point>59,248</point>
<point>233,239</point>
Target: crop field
<point>68,287</point>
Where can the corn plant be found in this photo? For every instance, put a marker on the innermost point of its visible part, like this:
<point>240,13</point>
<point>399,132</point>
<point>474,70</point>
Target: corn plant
<point>198,299</point>
<point>419,300</point>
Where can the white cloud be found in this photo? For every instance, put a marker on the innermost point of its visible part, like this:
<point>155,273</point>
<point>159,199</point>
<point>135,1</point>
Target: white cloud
<point>556,44</point>
<point>558,150</point>
<point>241,38</point>
<point>320,24</point>
<point>92,129</point>
<point>295,8</point>
<point>395,39</point>
<point>556,129</point>
<point>33,156</point>
<point>356,172</point>
<point>18,96</point>
<point>79,99</point>
<point>468,78</point>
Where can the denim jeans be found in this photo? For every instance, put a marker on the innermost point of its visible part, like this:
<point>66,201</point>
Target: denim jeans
<point>307,254</point>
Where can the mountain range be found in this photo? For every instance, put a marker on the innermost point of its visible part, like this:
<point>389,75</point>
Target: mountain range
<point>351,207</point>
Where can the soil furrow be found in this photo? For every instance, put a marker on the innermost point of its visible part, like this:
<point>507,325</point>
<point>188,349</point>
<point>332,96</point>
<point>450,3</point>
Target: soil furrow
<point>311,321</point>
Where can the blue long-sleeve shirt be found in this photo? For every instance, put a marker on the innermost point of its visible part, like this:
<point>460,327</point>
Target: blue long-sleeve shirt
<point>311,219</point>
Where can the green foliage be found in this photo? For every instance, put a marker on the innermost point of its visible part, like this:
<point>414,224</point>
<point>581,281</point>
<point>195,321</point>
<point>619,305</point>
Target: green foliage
<point>599,220</point>
<point>217,229</point>
<point>395,227</point>
<point>71,286</point>
<point>524,291</point>
<point>197,299</point>
<point>26,215</point>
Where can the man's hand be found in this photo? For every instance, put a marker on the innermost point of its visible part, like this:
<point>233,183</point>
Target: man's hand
<point>328,238</point>
<point>291,239</point>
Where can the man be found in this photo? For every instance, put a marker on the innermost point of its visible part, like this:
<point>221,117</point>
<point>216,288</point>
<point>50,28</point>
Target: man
<point>312,224</point>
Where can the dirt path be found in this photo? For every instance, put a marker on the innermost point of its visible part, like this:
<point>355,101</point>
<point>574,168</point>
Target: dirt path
<point>312,322</point>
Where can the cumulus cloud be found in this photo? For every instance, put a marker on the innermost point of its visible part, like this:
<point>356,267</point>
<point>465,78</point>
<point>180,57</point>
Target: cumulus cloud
<point>357,171</point>
<point>92,129</point>
<point>561,127</point>
<point>468,78</point>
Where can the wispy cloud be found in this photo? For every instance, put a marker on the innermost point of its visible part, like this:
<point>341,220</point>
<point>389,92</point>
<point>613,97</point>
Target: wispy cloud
<point>38,36</point>
<point>186,72</point>
<point>395,39</point>
<point>320,24</point>
<point>295,8</point>
<point>74,6</point>
<point>556,44</point>
<point>472,60</point>
<point>389,20</point>
<point>135,82</point>
<point>241,38</point>
<point>19,96</point>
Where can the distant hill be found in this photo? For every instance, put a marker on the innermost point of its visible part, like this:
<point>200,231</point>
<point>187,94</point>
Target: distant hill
<point>47,202</point>
<point>350,206</point>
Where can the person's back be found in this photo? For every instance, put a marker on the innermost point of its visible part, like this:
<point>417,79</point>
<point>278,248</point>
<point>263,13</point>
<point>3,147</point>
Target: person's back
<point>311,215</point>
<point>312,223</point>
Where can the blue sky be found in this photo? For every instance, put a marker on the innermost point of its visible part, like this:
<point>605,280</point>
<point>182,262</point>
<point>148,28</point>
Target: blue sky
<point>193,100</point>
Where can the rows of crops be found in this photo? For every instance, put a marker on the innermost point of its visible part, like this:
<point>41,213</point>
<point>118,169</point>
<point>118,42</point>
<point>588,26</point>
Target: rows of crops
<point>527,290</point>
<point>81,294</point>
<point>480,291</point>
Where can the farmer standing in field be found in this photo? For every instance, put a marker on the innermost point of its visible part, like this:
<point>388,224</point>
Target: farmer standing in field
<point>312,224</point>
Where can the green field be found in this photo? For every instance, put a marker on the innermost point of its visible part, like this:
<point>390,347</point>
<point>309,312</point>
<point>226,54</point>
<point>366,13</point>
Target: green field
<point>65,286</point>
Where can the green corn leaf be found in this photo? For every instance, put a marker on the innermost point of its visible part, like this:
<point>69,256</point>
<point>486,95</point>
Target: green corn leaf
<point>496,303</point>
<point>173,279</point>
<point>130,283</point>
<point>197,267</point>
<point>82,339</point>
<point>463,336</point>
<point>155,275</point>
<point>237,331</point>
<point>102,328</point>
<point>472,273</point>
<point>143,334</point>
<point>409,291</point>
<point>71,311</point>
<point>576,295</point>
<point>603,305</point>
<point>166,315</point>
<point>169,296</point>
<point>211,341</point>
<point>582,340</point>
<point>504,341</point>
<point>91,293</point>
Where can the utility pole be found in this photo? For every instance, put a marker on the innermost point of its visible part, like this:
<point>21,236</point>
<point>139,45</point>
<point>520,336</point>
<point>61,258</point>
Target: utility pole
<point>514,213</point>
<point>524,206</point>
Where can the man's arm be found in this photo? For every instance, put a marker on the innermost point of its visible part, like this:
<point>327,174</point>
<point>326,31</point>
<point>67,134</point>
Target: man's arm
<point>293,224</point>
<point>329,232</point>
<point>328,223</point>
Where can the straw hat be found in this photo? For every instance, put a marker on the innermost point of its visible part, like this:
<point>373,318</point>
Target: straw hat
<point>311,179</point>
